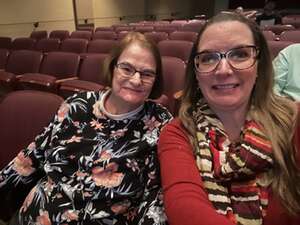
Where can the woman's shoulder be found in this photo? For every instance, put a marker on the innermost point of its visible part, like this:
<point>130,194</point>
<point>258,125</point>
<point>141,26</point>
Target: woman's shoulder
<point>82,102</point>
<point>157,110</point>
<point>175,130</point>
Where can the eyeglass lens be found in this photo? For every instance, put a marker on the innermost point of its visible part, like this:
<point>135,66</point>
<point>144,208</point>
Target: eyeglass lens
<point>128,71</point>
<point>238,58</point>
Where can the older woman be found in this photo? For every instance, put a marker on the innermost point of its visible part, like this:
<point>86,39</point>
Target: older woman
<point>229,158</point>
<point>96,162</point>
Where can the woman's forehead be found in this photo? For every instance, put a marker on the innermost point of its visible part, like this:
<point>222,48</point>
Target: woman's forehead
<point>225,35</point>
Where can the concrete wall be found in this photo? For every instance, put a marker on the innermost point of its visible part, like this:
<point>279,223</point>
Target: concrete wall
<point>17,17</point>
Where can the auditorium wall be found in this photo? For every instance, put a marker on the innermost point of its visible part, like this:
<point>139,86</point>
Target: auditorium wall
<point>17,17</point>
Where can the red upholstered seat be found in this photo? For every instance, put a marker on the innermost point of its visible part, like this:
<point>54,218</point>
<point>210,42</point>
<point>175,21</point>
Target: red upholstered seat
<point>55,67</point>
<point>23,116</point>
<point>82,34</point>
<point>23,43</point>
<point>48,45</point>
<point>5,42</point>
<point>174,70</point>
<point>39,34</point>
<point>19,62</point>
<point>176,48</point>
<point>60,34</point>
<point>184,36</point>
<point>90,77</point>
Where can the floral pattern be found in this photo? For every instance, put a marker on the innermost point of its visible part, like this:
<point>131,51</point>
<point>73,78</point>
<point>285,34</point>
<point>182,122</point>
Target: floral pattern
<point>95,169</point>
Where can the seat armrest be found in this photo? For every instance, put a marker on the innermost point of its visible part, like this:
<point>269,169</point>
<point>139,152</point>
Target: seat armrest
<point>66,79</point>
<point>178,94</point>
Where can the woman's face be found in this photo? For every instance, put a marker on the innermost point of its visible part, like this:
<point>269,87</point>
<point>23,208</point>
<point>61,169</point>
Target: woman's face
<point>226,88</point>
<point>131,91</point>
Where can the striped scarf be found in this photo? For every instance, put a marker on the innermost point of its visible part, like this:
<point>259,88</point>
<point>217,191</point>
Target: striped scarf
<point>235,176</point>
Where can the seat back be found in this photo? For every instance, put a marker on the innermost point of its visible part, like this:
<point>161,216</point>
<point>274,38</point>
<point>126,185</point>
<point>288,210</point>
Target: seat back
<point>5,42</point>
<point>279,28</point>
<point>3,58</point>
<point>184,36</point>
<point>74,45</point>
<point>38,34</point>
<point>48,45</point>
<point>121,35</point>
<point>24,61</point>
<point>276,46</point>
<point>181,22</point>
<point>104,29</point>
<point>91,68</point>
<point>269,35</point>
<point>110,35</point>
<point>23,43</point>
<point>123,28</point>
<point>101,46</point>
<point>144,29</point>
<point>82,34</point>
<point>291,35</point>
<point>193,26</point>
<point>60,34</point>
<point>168,28</point>
<point>176,48</point>
<point>60,64</point>
<point>23,116</point>
<point>174,70</point>
<point>157,36</point>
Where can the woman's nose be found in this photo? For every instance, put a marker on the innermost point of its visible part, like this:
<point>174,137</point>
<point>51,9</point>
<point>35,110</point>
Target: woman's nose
<point>224,68</point>
<point>136,78</point>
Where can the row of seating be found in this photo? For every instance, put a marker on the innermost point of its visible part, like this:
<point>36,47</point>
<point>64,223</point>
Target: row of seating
<point>176,48</point>
<point>55,44</point>
<point>288,35</point>
<point>67,73</point>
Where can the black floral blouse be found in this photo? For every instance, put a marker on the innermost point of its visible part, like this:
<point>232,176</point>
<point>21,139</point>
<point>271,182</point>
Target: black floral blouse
<point>97,168</point>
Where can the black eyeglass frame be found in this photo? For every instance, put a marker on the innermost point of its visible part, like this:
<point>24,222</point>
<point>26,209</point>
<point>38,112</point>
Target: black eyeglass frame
<point>225,55</point>
<point>151,74</point>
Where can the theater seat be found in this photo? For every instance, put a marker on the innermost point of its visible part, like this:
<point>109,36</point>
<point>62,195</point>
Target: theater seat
<point>19,62</point>
<point>60,34</point>
<point>174,70</point>
<point>48,45</point>
<point>3,58</point>
<point>176,48</point>
<point>5,42</point>
<point>156,36</point>
<point>276,46</point>
<point>55,67</point>
<point>90,77</point>
<point>74,45</point>
<point>38,34</point>
<point>184,36</point>
<point>23,43</point>
<point>23,116</point>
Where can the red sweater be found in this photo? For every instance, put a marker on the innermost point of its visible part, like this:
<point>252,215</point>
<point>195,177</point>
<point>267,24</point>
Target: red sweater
<point>185,198</point>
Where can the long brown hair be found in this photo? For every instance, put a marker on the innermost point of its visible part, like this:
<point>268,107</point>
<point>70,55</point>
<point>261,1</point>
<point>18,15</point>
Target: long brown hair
<point>277,115</point>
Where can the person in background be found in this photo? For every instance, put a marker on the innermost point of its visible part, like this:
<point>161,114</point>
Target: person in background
<point>269,16</point>
<point>96,162</point>
<point>249,14</point>
<point>229,158</point>
<point>287,72</point>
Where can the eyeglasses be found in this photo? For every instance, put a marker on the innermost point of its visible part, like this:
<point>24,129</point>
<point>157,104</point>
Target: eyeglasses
<point>238,58</point>
<point>128,71</point>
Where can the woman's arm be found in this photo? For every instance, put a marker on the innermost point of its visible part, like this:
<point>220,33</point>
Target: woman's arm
<point>185,198</point>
